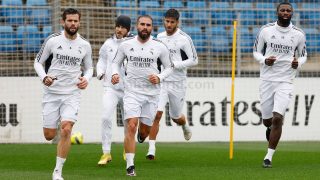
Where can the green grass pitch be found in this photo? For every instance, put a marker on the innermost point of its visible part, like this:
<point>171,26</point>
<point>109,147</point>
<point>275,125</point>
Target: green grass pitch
<point>293,160</point>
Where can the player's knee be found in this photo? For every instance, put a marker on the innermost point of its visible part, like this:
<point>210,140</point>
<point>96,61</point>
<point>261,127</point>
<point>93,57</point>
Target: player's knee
<point>49,137</point>
<point>277,120</point>
<point>131,128</point>
<point>267,122</point>
<point>66,132</point>
<point>49,134</point>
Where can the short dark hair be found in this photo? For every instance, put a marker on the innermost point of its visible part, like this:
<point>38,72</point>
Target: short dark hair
<point>172,13</point>
<point>70,11</point>
<point>146,16</point>
<point>284,3</point>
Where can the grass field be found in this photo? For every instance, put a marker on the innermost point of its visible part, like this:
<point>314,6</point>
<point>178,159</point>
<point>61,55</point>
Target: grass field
<point>293,160</point>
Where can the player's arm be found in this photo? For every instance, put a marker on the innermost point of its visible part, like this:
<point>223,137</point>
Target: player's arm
<point>302,54</point>
<point>102,62</point>
<point>87,69</point>
<point>166,61</point>
<point>116,64</point>
<point>259,50</point>
<point>39,61</point>
<point>192,57</point>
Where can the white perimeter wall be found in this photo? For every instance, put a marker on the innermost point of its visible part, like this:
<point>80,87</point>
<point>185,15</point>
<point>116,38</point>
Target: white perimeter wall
<point>206,100</point>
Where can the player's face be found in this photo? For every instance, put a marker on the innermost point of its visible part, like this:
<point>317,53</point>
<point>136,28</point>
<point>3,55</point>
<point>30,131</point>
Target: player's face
<point>121,32</point>
<point>285,12</point>
<point>170,24</point>
<point>71,24</point>
<point>144,27</point>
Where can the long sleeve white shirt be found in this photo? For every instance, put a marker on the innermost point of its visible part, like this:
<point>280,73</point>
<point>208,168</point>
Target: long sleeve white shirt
<point>284,43</point>
<point>142,61</point>
<point>106,55</point>
<point>183,52</point>
<point>63,58</point>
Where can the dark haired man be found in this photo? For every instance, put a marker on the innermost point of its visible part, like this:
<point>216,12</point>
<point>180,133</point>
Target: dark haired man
<point>280,49</point>
<point>173,89</point>
<point>63,54</point>
<point>113,94</point>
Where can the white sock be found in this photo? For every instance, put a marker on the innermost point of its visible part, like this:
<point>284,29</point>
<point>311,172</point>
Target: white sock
<point>152,147</point>
<point>59,165</point>
<point>130,159</point>
<point>270,154</point>
<point>106,152</point>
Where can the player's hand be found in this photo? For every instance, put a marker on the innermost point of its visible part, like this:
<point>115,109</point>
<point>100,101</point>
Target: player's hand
<point>154,79</point>
<point>294,63</point>
<point>83,83</point>
<point>115,79</point>
<point>270,60</point>
<point>48,80</point>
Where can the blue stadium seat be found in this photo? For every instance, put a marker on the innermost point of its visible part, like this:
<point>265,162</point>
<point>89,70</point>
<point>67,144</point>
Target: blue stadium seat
<point>147,7</point>
<point>11,2</point>
<point>37,13</point>
<point>197,36</point>
<point>46,31</point>
<point>310,18</point>
<point>196,4</point>
<point>313,43</point>
<point>196,13</point>
<point>36,3</point>
<point>219,5</point>
<point>216,30</point>
<point>29,38</point>
<point>255,31</point>
<point>220,43</point>
<point>39,16</point>
<point>246,40</point>
<point>13,11</point>
<point>172,4</point>
<point>242,5</point>
<point>265,5</point>
<point>225,17</point>
<point>7,39</point>
<point>247,17</point>
<point>149,4</point>
<point>310,6</point>
<point>125,4</point>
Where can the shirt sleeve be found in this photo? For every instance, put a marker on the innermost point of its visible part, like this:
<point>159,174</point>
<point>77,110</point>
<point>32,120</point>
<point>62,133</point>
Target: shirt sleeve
<point>259,48</point>
<point>165,58</point>
<point>41,58</point>
<point>302,52</point>
<point>118,60</point>
<point>191,53</point>
<point>87,64</point>
<point>102,61</point>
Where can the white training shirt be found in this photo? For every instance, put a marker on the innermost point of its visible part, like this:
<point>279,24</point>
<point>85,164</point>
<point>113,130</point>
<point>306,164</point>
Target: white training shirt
<point>63,58</point>
<point>106,55</point>
<point>284,43</point>
<point>183,52</point>
<point>142,61</point>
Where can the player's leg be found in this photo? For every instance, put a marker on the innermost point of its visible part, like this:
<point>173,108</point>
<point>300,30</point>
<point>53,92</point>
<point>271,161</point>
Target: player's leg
<point>110,101</point>
<point>69,115</point>
<point>282,99</point>
<point>51,116</point>
<point>266,90</point>
<point>153,135</point>
<point>163,99</point>
<point>132,110</point>
<point>130,144</point>
<point>176,94</point>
